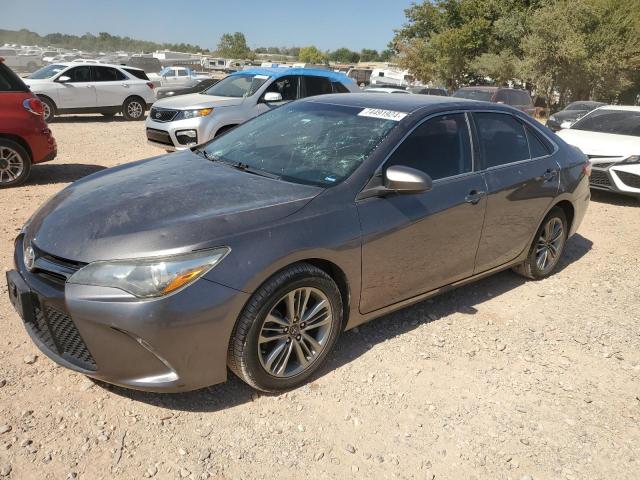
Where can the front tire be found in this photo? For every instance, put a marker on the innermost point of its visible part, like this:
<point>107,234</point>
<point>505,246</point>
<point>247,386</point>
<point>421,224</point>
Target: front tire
<point>547,248</point>
<point>287,329</point>
<point>133,108</point>
<point>15,164</point>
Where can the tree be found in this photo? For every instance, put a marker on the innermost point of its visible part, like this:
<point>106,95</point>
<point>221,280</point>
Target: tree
<point>233,46</point>
<point>311,54</point>
<point>344,55</point>
<point>368,55</point>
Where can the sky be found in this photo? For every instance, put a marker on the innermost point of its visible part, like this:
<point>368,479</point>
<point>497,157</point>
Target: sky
<point>327,24</point>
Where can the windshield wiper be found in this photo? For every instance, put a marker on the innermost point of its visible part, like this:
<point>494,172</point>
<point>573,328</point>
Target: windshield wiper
<point>240,166</point>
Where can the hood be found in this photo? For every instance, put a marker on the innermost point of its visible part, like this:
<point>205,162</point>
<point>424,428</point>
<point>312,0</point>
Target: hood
<point>169,204</point>
<point>197,100</point>
<point>36,81</point>
<point>596,144</point>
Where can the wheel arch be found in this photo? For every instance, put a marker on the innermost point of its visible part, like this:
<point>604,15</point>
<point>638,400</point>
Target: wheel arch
<point>225,128</point>
<point>136,96</point>
<point>20,141</point>
<point>53,102</point>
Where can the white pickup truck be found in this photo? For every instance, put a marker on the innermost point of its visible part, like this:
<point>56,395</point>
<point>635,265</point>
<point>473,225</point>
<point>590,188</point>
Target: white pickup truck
<point>176,77</point>
<point>17,60</point>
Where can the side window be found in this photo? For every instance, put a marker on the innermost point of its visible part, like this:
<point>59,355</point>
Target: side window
<point>285,86</point>
<point>9,81</point>
<point>502,139</point>
<point>316,86</point>
<point>183,73</point>
<point>107,74</point>
<point>339,88</point>
<point>79,74</point>
<point>440,147</point>
<point>536,145</point>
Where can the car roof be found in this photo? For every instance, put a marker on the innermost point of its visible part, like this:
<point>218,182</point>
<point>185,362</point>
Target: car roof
<point>282,72</point>
<point>403,103</point>
<point>76,64</point>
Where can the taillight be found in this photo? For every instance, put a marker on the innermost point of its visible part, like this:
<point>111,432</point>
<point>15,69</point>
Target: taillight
<point>150,85</point>
<point>586,168</point>
<point>34,106</point>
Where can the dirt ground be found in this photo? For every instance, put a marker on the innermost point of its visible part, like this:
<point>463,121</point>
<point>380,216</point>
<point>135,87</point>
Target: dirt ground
<point>503,379</point>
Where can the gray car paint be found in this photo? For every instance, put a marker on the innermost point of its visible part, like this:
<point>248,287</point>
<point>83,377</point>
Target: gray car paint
<point>385,253</point>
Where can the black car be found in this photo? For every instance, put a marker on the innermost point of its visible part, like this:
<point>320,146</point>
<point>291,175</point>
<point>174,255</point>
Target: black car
<point>573,112</point>
<point>257,249</point>
<point>175,91</point>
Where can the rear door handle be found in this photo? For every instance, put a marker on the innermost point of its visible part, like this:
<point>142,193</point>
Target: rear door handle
<point>549,175</point>
<point>474,196</point>
<point>125,85</point>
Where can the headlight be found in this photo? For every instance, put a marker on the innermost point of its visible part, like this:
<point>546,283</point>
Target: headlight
<point>150,277</point>
<point>631,159</point>
<point>202,112</point>
<point>552,118</point>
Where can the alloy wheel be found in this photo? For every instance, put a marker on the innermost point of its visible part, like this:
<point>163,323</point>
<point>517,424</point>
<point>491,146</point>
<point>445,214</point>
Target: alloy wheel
<point>134,109</point>
<point>11,165</point>
<point>295,332</point>
<point>549,244</point>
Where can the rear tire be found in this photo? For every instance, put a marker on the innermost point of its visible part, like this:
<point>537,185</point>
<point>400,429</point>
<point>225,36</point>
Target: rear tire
<point>15,163</point>
<point>133,108</point>
<point>547,247</point>
<point>49,109</point>
<point>287,329</point>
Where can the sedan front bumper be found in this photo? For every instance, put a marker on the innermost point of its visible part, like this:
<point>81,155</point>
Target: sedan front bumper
<point>169,344</point>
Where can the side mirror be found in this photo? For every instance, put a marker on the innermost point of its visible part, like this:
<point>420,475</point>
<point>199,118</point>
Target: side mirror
<point>401,179</point>
<point>272,97</point>
<point>63,79</point>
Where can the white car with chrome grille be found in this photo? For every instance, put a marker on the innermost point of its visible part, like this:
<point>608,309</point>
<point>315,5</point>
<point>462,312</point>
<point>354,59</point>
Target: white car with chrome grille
<point>610,137</point>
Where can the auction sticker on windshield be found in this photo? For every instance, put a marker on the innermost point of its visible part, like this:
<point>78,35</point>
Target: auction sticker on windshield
<point>384,114</point>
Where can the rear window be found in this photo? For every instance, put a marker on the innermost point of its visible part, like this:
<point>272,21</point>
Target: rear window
<point>339,88</point>
<point>9,81</point>
<point>137,73</point>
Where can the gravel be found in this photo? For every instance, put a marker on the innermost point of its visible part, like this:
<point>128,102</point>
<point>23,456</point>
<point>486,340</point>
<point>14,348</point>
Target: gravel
<point>426,392</point>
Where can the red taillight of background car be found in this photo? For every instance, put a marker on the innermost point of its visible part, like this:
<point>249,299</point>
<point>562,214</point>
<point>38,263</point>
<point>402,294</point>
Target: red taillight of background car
<point>586,168</point>
<point>150,85</point>
<point>33,105</point>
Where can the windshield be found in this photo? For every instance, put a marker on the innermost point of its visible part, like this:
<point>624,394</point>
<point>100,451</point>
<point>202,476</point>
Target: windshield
<point>617,122</point>
<point>47,72</point>
<point>306,142</point>
<point>237,86</point>
<point>484,95</point>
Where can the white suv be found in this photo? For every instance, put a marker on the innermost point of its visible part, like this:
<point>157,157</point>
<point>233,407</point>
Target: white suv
<point>92,88</point>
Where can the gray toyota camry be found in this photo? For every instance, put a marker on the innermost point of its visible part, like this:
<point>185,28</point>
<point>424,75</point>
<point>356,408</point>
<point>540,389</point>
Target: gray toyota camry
<point>254,251</point>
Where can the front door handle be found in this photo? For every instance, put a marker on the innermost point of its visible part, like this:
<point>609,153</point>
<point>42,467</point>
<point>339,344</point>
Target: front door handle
<point>474,196</point>
<point>549,175</point>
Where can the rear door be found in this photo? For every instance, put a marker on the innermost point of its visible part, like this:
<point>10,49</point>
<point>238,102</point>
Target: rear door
<point>522,180</point>
<point>79,91</point>
<point>414,243</point>
<point>112,86</point>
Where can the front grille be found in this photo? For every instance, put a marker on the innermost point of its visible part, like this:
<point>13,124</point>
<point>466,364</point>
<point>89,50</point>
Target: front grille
<point>599,179</point>
<point>602,165</point>
<point>629,179</point>
<point>55,269</point>
<point>162,114</point>
<point>159,136</point>
<point>58,332</point>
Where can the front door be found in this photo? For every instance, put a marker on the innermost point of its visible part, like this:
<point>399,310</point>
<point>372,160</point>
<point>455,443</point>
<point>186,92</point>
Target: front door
<point>522,180</point>
<point>414,243</point>
<point>79,91</point>
<point>288,87</point>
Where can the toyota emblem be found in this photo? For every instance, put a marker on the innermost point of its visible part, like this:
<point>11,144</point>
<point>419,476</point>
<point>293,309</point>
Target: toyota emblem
<point>29,257</point>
